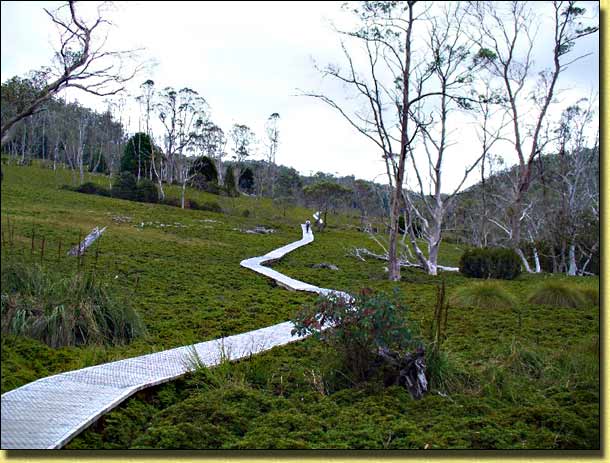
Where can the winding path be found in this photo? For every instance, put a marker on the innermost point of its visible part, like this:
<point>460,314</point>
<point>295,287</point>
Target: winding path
<point>49,412</point>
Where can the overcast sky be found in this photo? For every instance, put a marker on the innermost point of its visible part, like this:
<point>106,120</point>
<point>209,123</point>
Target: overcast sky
<point>248,59</point>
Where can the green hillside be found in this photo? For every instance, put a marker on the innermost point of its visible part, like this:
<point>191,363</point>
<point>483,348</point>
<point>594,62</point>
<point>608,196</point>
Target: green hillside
<point>521,377</point>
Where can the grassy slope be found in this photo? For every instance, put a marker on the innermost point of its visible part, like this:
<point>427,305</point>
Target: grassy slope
<point>525,378</point>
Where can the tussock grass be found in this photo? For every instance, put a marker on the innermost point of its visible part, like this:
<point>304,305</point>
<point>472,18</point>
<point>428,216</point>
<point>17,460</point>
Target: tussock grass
<point>591,295</point>
<point>557,294</point>
<point>483,295</point>
<point>577,363</point>
<point>524,361</point>
<point>63,310</point>
<point>447,376</point>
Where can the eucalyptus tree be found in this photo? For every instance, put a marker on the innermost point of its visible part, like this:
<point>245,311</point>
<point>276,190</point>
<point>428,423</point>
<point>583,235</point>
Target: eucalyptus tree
<point>449,73</point>
<point>213,144</point>
<point>147,103</point>
<point>326,195</point>
<point>183,114</point>
<point>76,125</point>
<point>244,141</point>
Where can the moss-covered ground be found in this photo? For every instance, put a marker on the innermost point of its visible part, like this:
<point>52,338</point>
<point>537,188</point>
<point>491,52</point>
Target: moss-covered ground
<point>525,377</point>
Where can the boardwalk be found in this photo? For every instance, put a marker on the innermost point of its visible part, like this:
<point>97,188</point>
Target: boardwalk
<point>49,412</point>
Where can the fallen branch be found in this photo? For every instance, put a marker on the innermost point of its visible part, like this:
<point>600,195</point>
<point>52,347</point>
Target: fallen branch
<point>361,253</point>
<point>80,249</point>
<point>408,370</point>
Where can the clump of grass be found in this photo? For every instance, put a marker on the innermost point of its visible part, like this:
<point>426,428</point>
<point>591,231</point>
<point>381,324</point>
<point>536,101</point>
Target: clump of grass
<point>591,295</point>
<point>557,294</point>
<point>446,375</point>
<point>219,376</point>
<point>524,361</point>
<point>64,310</point>
<point>484,295</point>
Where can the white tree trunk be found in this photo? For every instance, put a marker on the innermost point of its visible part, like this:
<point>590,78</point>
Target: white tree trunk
<point>536,260</point>
<point>572,267</point>
<point>524,261</point>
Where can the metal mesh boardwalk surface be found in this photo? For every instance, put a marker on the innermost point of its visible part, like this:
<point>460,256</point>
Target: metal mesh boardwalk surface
<point>47,413</point>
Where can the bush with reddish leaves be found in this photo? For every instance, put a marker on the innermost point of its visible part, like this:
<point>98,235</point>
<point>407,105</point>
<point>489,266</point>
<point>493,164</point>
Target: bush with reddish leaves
<point>357,328</point>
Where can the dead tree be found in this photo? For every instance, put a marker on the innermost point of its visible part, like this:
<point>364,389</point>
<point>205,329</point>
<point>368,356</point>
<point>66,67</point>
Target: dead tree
<point>80,62</point>
<point>391,84</point>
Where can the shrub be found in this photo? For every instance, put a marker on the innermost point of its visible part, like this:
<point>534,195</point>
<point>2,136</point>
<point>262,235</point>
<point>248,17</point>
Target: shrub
<point>357,328</point>
<point>245,213</point>
<point>89,188</point>
<point>147,191</point>
<point>204,171</point>
<point>211,206</point>
<point>125,186</point>
<point>138,150</point>
<point>557,294</point>
<point>92,189</point>
<point>64,310</point>
<point>484,295</point>
<point>246,180</point>
<point>490,263</point>
<point>170,201</point>
<point>229,180</point>
<point>212,188</point>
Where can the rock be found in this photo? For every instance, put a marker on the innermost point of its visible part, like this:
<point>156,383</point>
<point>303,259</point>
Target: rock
<point>260,230</point>
<point>325,265</point>
<point>121,219</point>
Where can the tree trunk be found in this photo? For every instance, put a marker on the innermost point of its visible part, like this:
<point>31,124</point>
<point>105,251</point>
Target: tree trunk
<point>393,264</point>
<point>80,164</point>
<point>524,261</point>
<point>572,267</point>
<point>536,260</point>
<point>23,138</point>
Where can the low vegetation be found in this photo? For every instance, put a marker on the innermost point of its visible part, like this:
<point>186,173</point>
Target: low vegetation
<point>526,378</point>
<point>64,310</point>
<point>358,329</point>
<point>484,295</point>
<point>557,294</point>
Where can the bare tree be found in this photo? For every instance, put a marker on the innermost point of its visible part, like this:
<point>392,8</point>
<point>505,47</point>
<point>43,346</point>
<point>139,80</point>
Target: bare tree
<point>116,107</point>
<point>273,140</point>
<point>489,134</point>
<point>451,71</point>
<point>185,173</point>
<point>393,84</point>
<point>505,29</point>
<point>80,62</point>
